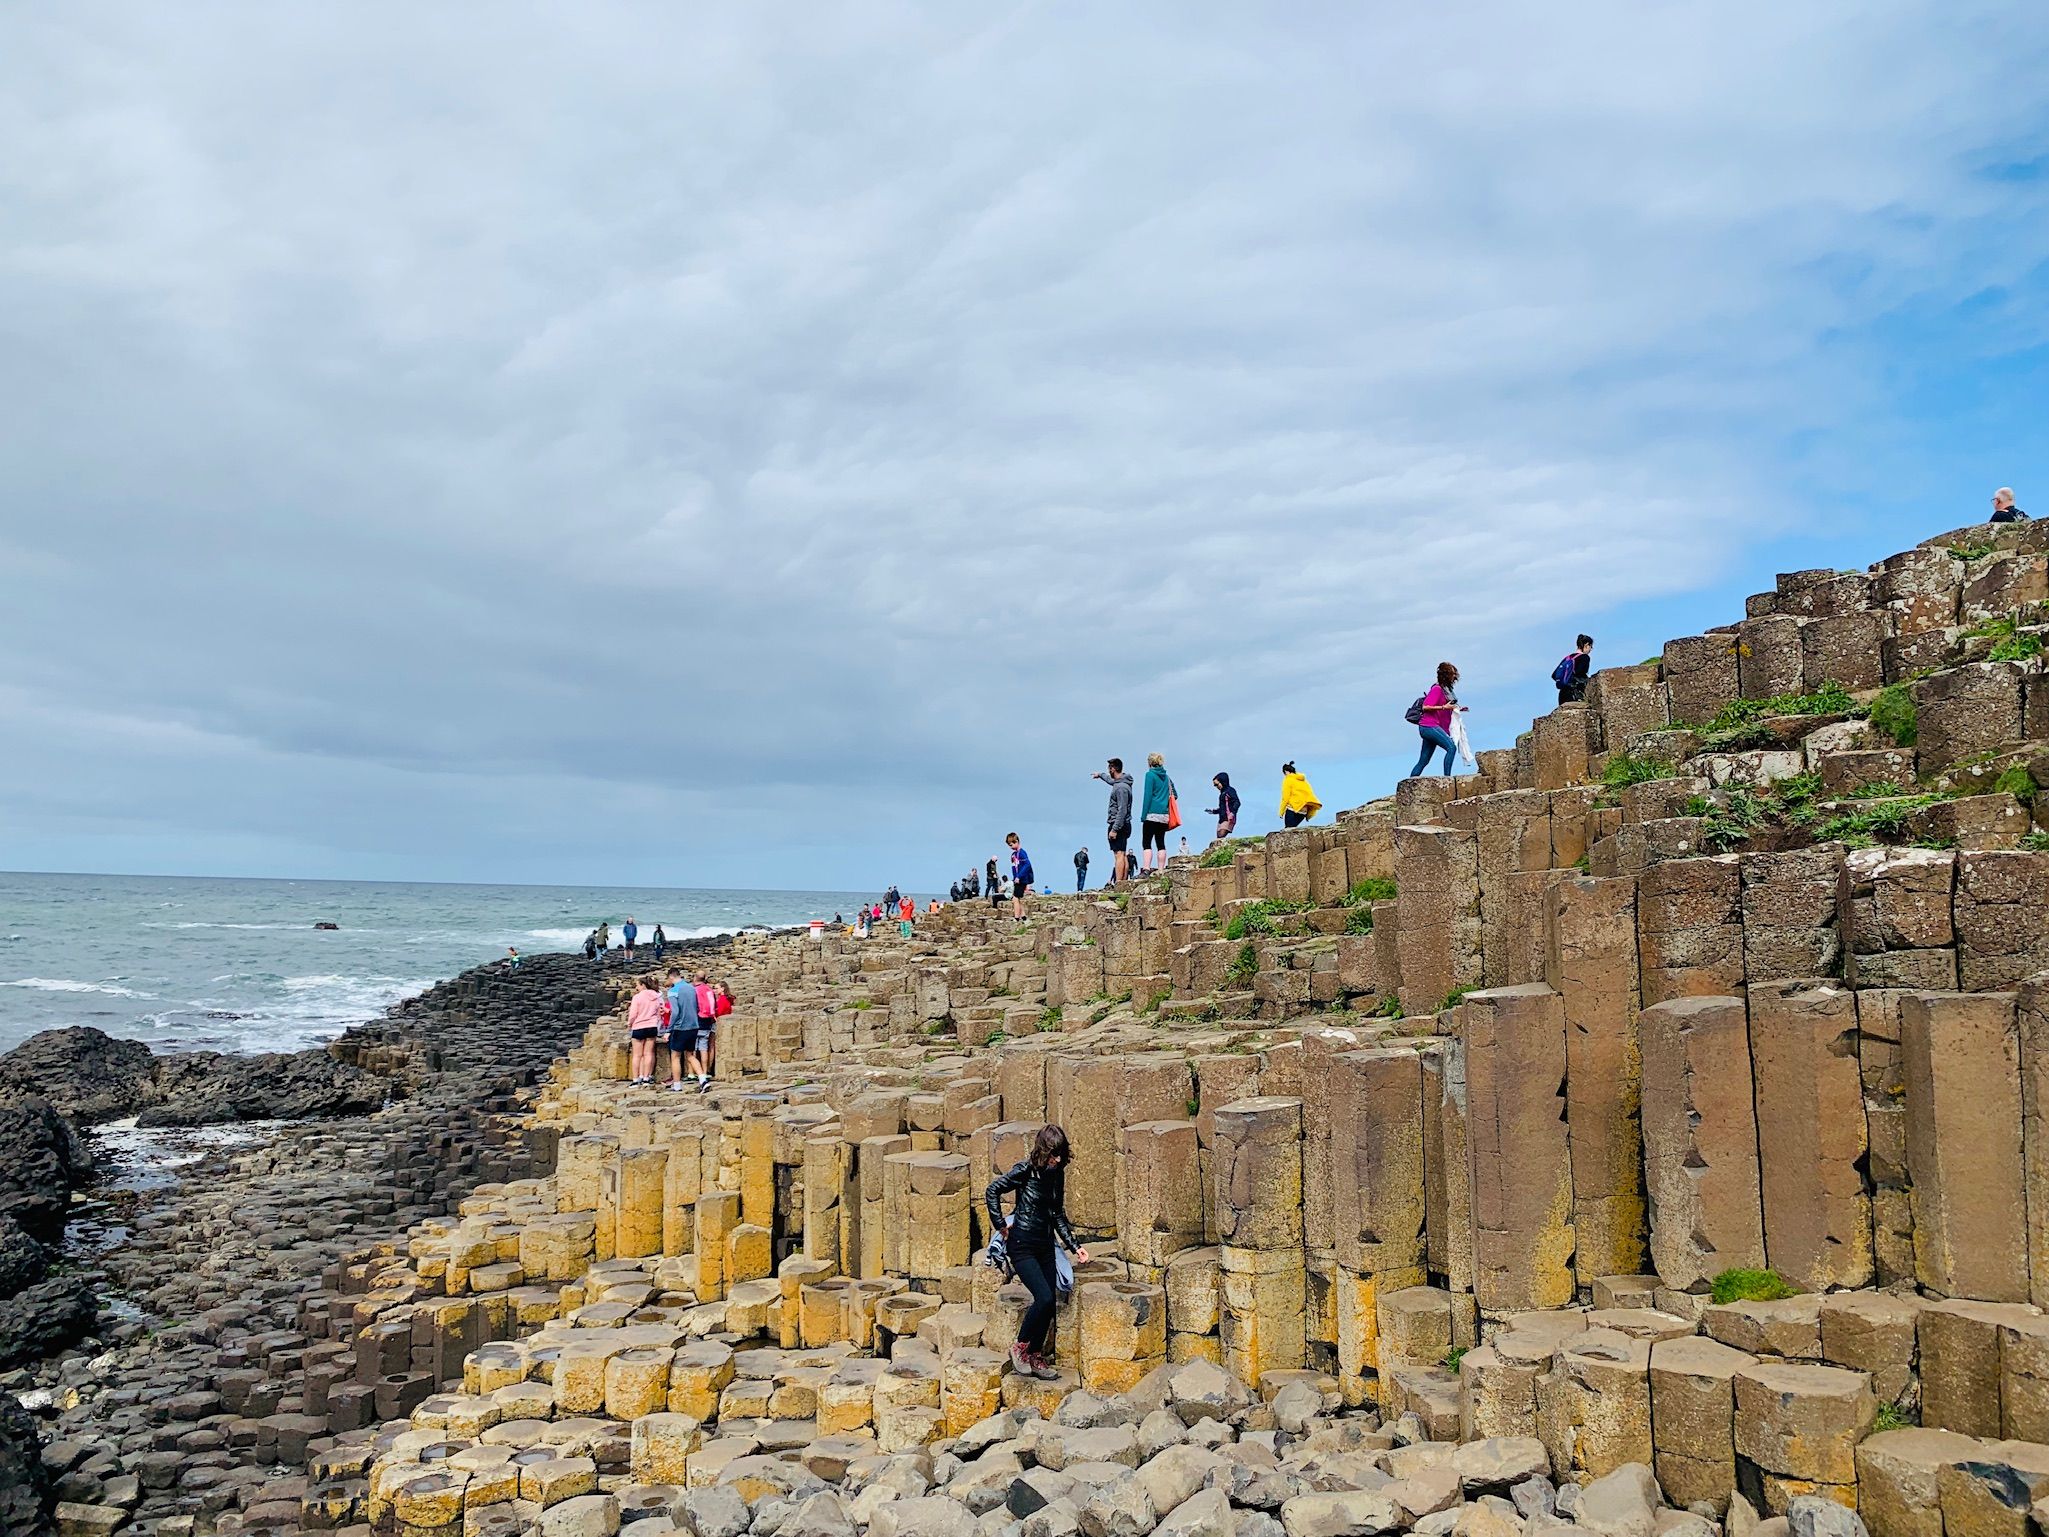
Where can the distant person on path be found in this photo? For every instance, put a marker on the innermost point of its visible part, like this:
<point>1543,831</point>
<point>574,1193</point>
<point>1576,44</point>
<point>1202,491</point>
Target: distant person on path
<point>661,943</point>
<point>1226,808</point>
<point>643,1024</point>
<point>1184,843</point>
<point>629,931</point>
<point>590,945</point>
<point>891,897</point>
<point>1119,823</point>
<point>604,937</point>
<point>1432,715</point>
<point>1156,814</point>
<point>1020,876</point>
<point>2003,509</point>
<point>1038,1221</point>
<point>991,882</point>
<point>1573,670</point>
<point>512,957</point>
<point>1081,869</point>
<point>906,910</point>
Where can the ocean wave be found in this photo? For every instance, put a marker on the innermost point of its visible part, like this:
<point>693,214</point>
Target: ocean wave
<point>249,927</point>
<point>67,985</point>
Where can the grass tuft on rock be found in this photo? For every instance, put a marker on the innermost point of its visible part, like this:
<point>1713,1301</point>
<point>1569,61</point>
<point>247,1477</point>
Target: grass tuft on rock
<point>1741,1285</point>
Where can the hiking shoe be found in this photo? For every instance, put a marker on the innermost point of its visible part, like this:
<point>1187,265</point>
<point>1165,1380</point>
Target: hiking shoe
<point>1021,1361</point>
<point>1044,1369</point>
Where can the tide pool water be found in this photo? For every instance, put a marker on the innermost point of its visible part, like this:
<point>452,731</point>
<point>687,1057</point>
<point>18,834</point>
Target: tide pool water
<point>236,965</point>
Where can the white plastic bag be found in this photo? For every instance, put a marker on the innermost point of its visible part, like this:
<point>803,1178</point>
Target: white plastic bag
<point>1063,1270</point>
<point>1458,736</point>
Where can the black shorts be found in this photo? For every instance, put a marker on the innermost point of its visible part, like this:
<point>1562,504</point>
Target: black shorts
<point>1120,839</point>
<point>1154,837</point>
<point>645,1035</point>
<point>682,1040</point>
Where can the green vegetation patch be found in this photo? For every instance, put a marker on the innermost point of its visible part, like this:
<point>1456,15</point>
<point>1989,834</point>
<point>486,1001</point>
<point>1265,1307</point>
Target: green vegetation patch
<point>1739,723</point>
<point>1220,855</point>
<point>1359,921</point>
<point>1245,966</point>
<point>1890,1417</point>
<point>1892,715</point>
<point>1376,888</point>
<point>1258,917</point>
<point>1624,769</point>
<point>2018,783</point>
<point>2016,648</point>
<point>1741,1285</point>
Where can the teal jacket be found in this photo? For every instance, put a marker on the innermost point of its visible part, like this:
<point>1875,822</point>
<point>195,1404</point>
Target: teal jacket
<point>1158,789</point>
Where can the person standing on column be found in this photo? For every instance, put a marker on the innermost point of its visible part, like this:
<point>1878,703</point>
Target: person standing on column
<point>1038,1222</point>
<point>1119,818</point>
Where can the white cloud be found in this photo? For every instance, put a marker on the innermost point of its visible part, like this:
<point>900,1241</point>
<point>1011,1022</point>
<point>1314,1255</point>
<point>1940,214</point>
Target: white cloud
<point>933,401</point>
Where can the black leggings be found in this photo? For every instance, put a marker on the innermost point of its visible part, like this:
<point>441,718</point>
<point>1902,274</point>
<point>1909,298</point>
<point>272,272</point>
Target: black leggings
<point>1035,1268</point>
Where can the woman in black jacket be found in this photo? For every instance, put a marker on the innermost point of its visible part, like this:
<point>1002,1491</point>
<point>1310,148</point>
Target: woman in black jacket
<point>1040,1183</point>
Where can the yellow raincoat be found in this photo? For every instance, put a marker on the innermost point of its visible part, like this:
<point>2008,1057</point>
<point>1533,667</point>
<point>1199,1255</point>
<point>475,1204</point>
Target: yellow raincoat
<point>1296,796</point>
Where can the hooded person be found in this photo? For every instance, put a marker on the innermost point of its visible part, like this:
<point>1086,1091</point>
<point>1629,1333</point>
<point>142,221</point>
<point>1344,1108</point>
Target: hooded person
<point>1298,801</point>
<point>1226,808</point>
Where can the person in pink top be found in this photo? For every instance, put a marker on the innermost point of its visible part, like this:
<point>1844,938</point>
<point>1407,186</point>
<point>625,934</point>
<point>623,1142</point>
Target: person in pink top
<point>643,1025</point>
<point>1435,724</point>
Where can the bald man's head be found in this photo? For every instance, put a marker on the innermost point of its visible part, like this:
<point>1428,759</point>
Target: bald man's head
<point>2002,498</point>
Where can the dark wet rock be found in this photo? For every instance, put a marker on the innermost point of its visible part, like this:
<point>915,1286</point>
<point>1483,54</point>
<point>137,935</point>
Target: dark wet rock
<point>23,1261</point>
<point>205,1087</point>
<point>86,1074</point>
<point>42,1159</point>
<point>50,1316</point>
<point>26,1499</point>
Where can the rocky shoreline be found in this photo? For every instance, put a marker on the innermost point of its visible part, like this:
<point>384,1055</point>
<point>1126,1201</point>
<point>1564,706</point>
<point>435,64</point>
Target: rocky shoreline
<point>132,1295</point>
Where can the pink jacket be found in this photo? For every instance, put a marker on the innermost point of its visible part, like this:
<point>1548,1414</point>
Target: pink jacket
<point>645,1011</point>
<point>1437,708</point>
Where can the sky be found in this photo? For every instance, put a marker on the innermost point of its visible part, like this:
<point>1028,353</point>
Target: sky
<point>773,445</point>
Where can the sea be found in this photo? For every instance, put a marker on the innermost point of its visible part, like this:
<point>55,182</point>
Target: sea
<point>190,963</point>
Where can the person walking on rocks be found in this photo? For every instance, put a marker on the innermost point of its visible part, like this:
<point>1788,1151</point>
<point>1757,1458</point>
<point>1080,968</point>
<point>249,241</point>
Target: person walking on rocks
<point>604,936</point>
<point>1037,1223</point>
<point>643,1024</point>
<point>1432,715</point>
<point>1226,808</point>
<point>1298,800</point>
<point>995,883</point>
<point>590,945</point>
<point>661,943</point>
<point>1020,875</point>
<point>1081,869</point>
<point>629,931</point>
<point>2003,509</point>
<point>1119,818</point>
<point>1573,670</point>
<point>1157,816</point>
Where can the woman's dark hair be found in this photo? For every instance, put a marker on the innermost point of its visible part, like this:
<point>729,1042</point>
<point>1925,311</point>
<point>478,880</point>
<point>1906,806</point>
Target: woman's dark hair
<point>650,983</point>
<point>1049,1144</point>
<point>1446,675</point>
<point>1288,767</point>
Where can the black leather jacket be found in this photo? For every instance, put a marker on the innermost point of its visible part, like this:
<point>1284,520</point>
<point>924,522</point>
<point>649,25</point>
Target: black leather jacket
<point>1041,1213</point>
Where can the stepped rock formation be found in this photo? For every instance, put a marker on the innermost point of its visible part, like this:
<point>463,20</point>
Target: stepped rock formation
<point>1408,1149</point>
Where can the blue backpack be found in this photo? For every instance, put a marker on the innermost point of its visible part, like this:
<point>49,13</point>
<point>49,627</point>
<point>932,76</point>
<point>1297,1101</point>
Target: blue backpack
<point>1562,673</point>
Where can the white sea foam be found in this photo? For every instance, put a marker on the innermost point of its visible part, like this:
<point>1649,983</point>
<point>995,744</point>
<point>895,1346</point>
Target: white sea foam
<point>67,985</point>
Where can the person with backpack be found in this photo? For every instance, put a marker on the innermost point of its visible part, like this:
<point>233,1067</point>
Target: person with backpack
<point>1573,670</point>
<point>1158,815</point>
<point>1226,808</point>
<point>1431,715</point>
<point>2003,509</point>
<point>1298,800</point>
<point>1020,875</point>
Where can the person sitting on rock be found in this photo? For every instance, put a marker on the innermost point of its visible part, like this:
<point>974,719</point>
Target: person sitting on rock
<point>1037,1223</point>
<point>2003,509</point>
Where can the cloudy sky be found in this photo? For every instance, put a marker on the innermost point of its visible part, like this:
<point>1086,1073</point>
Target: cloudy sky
<point>792,445</point>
